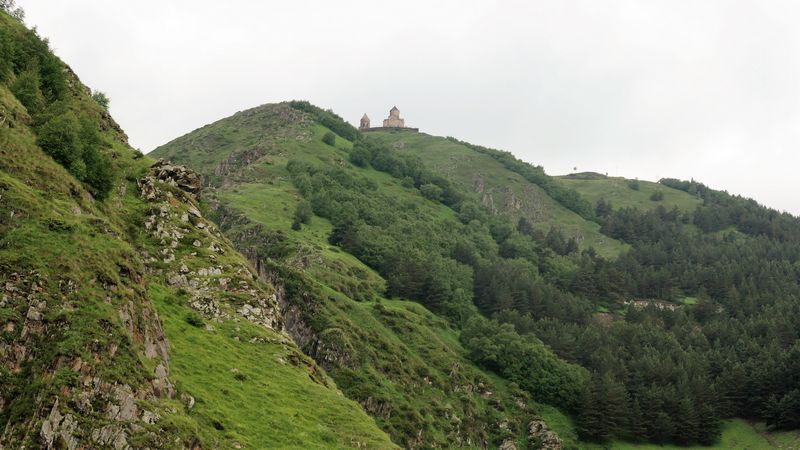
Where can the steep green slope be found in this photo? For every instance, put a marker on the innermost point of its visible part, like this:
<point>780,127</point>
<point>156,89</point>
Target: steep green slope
<point>500,189</point>
<point>404,364</point>
<point>86,360</point>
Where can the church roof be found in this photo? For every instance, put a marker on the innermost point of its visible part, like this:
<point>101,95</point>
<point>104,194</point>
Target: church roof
<point>394,108</point>
<point>365,116</point>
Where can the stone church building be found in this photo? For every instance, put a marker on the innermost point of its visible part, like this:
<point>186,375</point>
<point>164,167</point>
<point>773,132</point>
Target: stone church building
<point>393,122</point>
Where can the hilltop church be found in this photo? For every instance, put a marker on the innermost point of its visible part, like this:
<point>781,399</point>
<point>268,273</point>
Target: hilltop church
<point>393,122</point>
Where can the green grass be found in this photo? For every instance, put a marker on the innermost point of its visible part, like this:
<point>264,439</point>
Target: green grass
<point>498,188</point>
<point>562,424</point>
<point>272,205</point>
<point>410,359</point>
<point>257,387</point>
<point>617,191</point>
<point>737,434</point>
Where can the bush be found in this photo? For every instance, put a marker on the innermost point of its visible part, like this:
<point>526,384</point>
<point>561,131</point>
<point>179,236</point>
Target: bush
<point>302,213</point>
<point>194,320</point>
<point>26,89</point>
<point>329,138</point>
<point>99,173</point>
<point>360,156</point>
<point>431,191</point>
<point>524,360</point>
<point>75,144</point>
<point>59,137</point>
<point>657,196</point>
<point>633,184</point>
<point>101,98</point>
<point>65,377</point>
<point>239,376</point>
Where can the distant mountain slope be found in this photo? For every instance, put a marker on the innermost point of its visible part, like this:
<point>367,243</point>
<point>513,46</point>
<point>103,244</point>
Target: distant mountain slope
<point>625,193</point>
<point>501,190</point>
<point>128,320</point>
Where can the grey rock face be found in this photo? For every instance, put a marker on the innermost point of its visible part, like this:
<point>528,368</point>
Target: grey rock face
<point>539,432</point>
<point>57,427</point>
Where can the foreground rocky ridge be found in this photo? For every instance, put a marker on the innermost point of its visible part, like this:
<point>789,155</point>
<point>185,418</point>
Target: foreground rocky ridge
<point>85,358</point>
<point>192,252</point>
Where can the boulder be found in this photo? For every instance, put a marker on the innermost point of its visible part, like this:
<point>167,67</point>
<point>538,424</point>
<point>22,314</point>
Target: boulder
<point>177,175</point>
<point>539,432</point>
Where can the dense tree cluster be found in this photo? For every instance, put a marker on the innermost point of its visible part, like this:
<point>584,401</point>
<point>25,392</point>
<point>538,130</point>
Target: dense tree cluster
<point>524,360</point>
<point>731,353</point>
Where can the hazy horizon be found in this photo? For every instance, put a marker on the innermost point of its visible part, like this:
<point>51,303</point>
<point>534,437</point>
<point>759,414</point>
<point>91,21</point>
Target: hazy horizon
<point>663,89</point>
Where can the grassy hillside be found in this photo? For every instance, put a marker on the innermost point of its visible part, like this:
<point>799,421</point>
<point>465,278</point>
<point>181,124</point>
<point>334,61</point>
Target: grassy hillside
<point>624,193</point>
<point>500,189</point>
<point>404,364</point>
<point>116,298</point>
<point>736,434</point>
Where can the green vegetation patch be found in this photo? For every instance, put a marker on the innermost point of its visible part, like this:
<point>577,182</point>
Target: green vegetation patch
<point>252,387</point>
<point>617,191</point>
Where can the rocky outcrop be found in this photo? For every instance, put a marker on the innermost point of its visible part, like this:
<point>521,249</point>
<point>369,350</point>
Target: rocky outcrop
<point>173,175</point>
<point>58,429</point>
<point>191,252</point>
<point>89,404</point>
<point>539,434</point>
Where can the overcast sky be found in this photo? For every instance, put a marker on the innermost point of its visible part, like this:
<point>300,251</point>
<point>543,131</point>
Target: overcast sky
<point>647,89</point>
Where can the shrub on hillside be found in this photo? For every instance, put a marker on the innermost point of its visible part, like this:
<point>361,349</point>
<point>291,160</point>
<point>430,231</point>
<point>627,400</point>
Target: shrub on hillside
<point>75,144</point>
<point>59,137</point>
<point>26,89</point>
<point>302,214</point>
<point>657,196</point>
<point>360,156</point>
<point>101,98</point>
<point>633,184</point>
<point>22,50</point>
<point>329,138</point>
<point>431,191</point>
